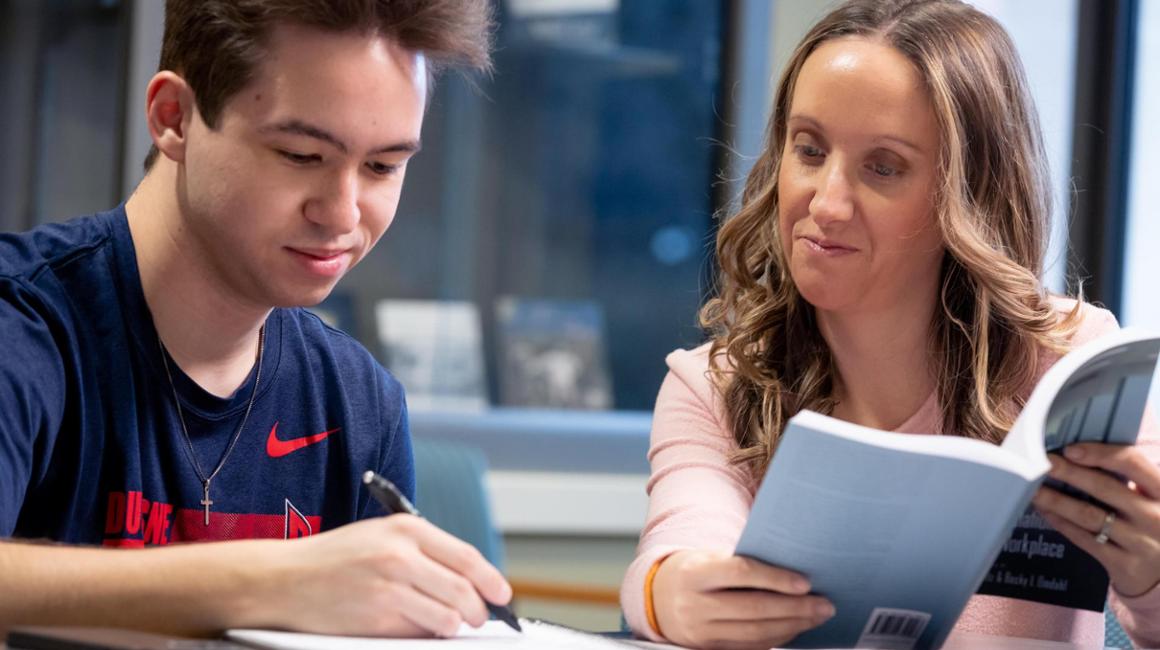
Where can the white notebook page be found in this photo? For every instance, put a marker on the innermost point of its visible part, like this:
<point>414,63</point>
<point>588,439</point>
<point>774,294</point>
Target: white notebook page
<point>493,634</point>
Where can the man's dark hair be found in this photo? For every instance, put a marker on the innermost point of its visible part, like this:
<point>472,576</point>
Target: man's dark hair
<point>216,45</point>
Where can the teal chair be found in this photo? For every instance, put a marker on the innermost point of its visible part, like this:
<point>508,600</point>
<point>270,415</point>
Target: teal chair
<point>450,492</point>
<point>1114,634</point>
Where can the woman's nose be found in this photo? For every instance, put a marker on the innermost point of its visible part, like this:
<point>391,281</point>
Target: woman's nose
<point>833,198</point>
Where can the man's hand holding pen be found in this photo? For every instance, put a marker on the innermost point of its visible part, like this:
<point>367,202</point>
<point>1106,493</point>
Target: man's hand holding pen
<point>397,576</point>
<point>395,502</point>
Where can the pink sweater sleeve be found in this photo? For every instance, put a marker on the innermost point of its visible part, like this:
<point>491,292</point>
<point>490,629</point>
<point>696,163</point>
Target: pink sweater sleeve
<point>697,498</point>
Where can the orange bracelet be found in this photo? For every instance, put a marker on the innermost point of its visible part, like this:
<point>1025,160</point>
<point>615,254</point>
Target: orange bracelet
<point>649,611</point>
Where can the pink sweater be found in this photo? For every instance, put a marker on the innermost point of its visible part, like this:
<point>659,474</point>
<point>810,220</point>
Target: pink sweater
<point>697,499</point>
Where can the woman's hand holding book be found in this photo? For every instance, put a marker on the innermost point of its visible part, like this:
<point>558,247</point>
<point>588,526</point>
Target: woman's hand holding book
<point>1125,538</point>
<point>710,599</point>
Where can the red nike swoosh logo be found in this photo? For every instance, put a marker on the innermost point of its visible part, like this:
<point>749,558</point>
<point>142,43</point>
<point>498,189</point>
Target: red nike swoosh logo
<point>278,448</point>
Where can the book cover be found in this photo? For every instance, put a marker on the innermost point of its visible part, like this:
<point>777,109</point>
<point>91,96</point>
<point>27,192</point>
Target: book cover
<point>434,349</point>
<point>900,530</point>
<point>551,354</point>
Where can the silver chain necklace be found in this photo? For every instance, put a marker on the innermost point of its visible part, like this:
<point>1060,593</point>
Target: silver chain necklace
<point>201,476</point>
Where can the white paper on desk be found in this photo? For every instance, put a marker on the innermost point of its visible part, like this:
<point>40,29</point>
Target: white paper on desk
<point>493,634</point>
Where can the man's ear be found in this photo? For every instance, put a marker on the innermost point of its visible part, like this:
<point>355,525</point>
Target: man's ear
<point>169,109</point>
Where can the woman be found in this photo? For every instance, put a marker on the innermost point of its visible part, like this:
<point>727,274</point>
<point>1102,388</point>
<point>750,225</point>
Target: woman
<point>883,268</point>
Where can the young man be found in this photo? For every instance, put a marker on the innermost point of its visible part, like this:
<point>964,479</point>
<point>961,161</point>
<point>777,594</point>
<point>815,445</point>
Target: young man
<point>159,384</point>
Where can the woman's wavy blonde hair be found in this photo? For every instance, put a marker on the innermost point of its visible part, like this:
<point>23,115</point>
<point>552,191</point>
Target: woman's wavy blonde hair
<point>993,208</point>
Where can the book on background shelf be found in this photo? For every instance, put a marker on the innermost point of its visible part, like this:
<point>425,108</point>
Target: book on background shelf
<point>338,312</point>
<point>551,354</point>
<point>434,348</point>
<point>899,530</point>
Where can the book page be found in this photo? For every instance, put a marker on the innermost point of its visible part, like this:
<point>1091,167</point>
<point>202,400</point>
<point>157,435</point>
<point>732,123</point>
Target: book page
<point>1095,393</point>
<point>1103,401</point>
<point>1002,458</point>
<point>493,634</point>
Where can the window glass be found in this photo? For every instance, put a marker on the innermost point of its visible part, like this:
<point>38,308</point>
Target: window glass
<point>61,76</point>
<point>1140,303</point>
<point>1141,264</point>
<point>567,200</point>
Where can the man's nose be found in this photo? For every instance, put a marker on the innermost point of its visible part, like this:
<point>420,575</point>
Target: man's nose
<point>336,205</point>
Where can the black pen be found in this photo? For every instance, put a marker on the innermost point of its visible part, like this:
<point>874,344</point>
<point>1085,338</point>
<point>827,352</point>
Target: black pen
<point>393,500</point>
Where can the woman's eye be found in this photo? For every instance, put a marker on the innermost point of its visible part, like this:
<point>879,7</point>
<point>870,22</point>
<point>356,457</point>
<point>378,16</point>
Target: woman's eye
<point>883,171</point>
<point>808,152</point>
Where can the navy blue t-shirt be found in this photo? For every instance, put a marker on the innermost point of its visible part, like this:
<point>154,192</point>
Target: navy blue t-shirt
<point>91,449</point>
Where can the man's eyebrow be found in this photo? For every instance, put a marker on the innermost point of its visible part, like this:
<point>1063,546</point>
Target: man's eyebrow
<point>407,146</point>
<point>298,127</point>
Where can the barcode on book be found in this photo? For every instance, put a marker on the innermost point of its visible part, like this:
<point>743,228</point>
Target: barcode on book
<point>893,629</point>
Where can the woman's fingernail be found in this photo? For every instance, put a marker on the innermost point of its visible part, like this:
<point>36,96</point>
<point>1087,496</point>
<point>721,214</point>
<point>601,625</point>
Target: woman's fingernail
<point>824,610</point>
<point>801,584</point>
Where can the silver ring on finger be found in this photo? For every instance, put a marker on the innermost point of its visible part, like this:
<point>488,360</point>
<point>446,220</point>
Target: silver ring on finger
<point>1106,528</point>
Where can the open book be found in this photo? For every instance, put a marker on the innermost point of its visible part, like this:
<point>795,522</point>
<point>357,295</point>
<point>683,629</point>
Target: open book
<point>900,530</point>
